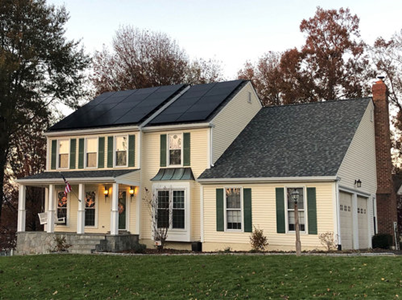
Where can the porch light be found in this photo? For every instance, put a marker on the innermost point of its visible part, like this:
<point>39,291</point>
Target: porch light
<point>106,192</point>
<point>131,192</point>
<point>358,183</point>
<point>295,196</point>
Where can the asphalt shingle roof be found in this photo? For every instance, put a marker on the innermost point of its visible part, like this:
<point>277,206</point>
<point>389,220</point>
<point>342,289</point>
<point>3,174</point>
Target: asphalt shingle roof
<point>292,141</point>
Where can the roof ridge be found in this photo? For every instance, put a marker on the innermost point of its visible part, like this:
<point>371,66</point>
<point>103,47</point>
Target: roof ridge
<point>319,102</point>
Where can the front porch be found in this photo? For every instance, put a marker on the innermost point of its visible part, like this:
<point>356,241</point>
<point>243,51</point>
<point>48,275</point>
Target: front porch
<point>99,213</point>
<point>39,242</point>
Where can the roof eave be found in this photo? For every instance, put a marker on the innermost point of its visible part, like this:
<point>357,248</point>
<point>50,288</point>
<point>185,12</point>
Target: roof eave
<point>267,180</point>
<point>100,130</point>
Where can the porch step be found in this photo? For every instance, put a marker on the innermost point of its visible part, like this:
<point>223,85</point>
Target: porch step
<point>84,243</point>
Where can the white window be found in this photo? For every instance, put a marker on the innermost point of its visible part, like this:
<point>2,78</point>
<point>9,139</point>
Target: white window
<point>121,151</point>
<point>233,208</point>
<point>62,205</point>
<point>175,149</point>
<point>63,153</point>
<point>90,208</point>
<point>291,209</point>
<point>91,152</point>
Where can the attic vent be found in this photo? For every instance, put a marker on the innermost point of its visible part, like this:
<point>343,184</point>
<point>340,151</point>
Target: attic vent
<point>249,97</point>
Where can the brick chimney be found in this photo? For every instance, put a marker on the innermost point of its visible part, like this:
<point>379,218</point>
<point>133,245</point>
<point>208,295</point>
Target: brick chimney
<point>386,197</point>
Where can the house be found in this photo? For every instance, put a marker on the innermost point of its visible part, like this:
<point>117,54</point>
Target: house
<point>221,163</point>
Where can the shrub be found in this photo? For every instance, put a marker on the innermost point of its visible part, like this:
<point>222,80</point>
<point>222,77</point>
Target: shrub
<point>139,248</point>
<point>328,240</point>
<point>382,240</point>
<point>258,240</point>
<point>61,244</point>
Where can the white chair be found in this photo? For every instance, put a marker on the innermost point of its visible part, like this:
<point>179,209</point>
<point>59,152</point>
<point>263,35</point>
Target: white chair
<point>43,219</point>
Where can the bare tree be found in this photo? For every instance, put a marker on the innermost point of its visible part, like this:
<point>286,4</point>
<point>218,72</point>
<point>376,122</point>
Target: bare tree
<point>159,211</point>
<point>143,58</point>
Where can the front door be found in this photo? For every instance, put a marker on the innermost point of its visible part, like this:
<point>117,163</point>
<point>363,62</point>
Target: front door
<point>122,210</point>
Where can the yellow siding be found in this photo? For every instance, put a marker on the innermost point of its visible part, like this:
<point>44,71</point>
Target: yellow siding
<point>360,160</point>
<point>151,165</point>
<point>264,217</point>
<point>233,119</point>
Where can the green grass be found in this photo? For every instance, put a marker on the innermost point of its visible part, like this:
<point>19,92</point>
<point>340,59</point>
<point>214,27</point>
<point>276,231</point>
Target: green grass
<point>199,277</point>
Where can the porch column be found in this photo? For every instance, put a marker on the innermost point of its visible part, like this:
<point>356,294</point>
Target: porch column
<point>81,209</point>
<point>52,209</point>
<point>21,208</point>
<point>114,218</point>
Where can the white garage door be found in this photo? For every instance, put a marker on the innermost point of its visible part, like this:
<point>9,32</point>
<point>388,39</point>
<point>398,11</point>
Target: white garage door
<point>346,217</point>
<point>363,222</point>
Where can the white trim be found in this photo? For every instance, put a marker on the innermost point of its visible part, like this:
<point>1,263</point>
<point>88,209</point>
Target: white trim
<point>86,152</point>
<point>177,235</point>
<point>225,209</point>
<point>209,148</point>
<point>96,189</point>
<point>93,131</point>
<point>267,180</point>
<point>185,127</point>
<point>202,213</point>
<point>58,154</point>
<point>168,164</point>
<point>337,216</point>
<point>353,191</point>
<point>114,150</point>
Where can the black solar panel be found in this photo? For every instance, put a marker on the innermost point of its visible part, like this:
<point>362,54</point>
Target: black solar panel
<point>198,103</point>
<point>117,108</point>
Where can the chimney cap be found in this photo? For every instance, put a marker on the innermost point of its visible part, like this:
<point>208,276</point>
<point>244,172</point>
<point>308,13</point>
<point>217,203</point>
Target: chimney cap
<point>381,77</point>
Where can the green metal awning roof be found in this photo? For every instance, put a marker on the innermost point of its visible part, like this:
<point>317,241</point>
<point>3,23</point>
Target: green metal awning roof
<point>174,174</point>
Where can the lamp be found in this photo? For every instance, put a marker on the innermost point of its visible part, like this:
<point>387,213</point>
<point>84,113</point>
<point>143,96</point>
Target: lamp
<point>295,197</point>
<point>131,192</point>
<point>358,183</point>
<point>106,192</point>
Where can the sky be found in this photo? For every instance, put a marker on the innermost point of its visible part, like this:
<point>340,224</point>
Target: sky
<point>229,31</point>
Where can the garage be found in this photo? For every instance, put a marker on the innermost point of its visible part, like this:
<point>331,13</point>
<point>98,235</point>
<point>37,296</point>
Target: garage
<point>346,219</point>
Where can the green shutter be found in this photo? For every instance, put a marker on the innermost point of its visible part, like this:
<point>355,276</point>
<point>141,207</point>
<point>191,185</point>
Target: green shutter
<point>248,223</point>
<point>186,149</point>
<point>101,152</point>
<point>80,153</point>
<point>54,155</point>
<point>280,210</point>
<point>131,150</point>
<point>110,152</point>
<point>73,150</point>
<point>219,210</point>
<point>312,211</point>
<point>163,150</point>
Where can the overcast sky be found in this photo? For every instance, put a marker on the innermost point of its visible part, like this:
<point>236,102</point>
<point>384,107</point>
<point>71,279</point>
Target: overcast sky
<point>230,31</point>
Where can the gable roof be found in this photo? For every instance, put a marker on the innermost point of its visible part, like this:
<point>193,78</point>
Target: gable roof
<point>302,140</point>
<point>130,107</point>
<point>189,104</point>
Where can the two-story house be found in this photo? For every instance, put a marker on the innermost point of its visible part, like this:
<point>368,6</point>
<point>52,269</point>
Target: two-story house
<point>221,163</point>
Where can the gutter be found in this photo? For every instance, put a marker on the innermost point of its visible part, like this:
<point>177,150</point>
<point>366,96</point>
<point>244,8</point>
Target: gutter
<point>101,130</point>
<point>177,127</point>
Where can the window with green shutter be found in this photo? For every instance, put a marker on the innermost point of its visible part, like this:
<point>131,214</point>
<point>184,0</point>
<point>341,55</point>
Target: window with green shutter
<point>312,211</point>
<point>220,219</point>
<point>186,149</point>
<point>53,158</point>
<point>81,153</point>
<point>163,150</point>
<point>131,150</point>
<point>101,152</point>
<point>73,150</point>
<point>280,210</point>
<point>110,151</point>
<point>248,222</point>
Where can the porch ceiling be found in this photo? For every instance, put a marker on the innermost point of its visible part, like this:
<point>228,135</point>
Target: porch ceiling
<point>75,177</point>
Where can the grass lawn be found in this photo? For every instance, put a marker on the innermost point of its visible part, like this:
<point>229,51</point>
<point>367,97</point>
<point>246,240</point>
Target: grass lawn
<point>199,277</point>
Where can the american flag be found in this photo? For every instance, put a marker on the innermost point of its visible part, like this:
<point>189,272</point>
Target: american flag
<point>67,189</point>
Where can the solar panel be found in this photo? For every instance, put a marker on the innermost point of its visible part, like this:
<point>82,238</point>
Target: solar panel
<point>198,103</point>
<point>116,108</point>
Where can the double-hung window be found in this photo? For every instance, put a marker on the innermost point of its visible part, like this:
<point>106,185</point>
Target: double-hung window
<point>91,154</point>
<point>171,209</point>
<point>90,208</point>
<point>63,153</point>
<point>233,209</point>
<point>175,149</point>
<point>291,209</point>
<point>121,151</point>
